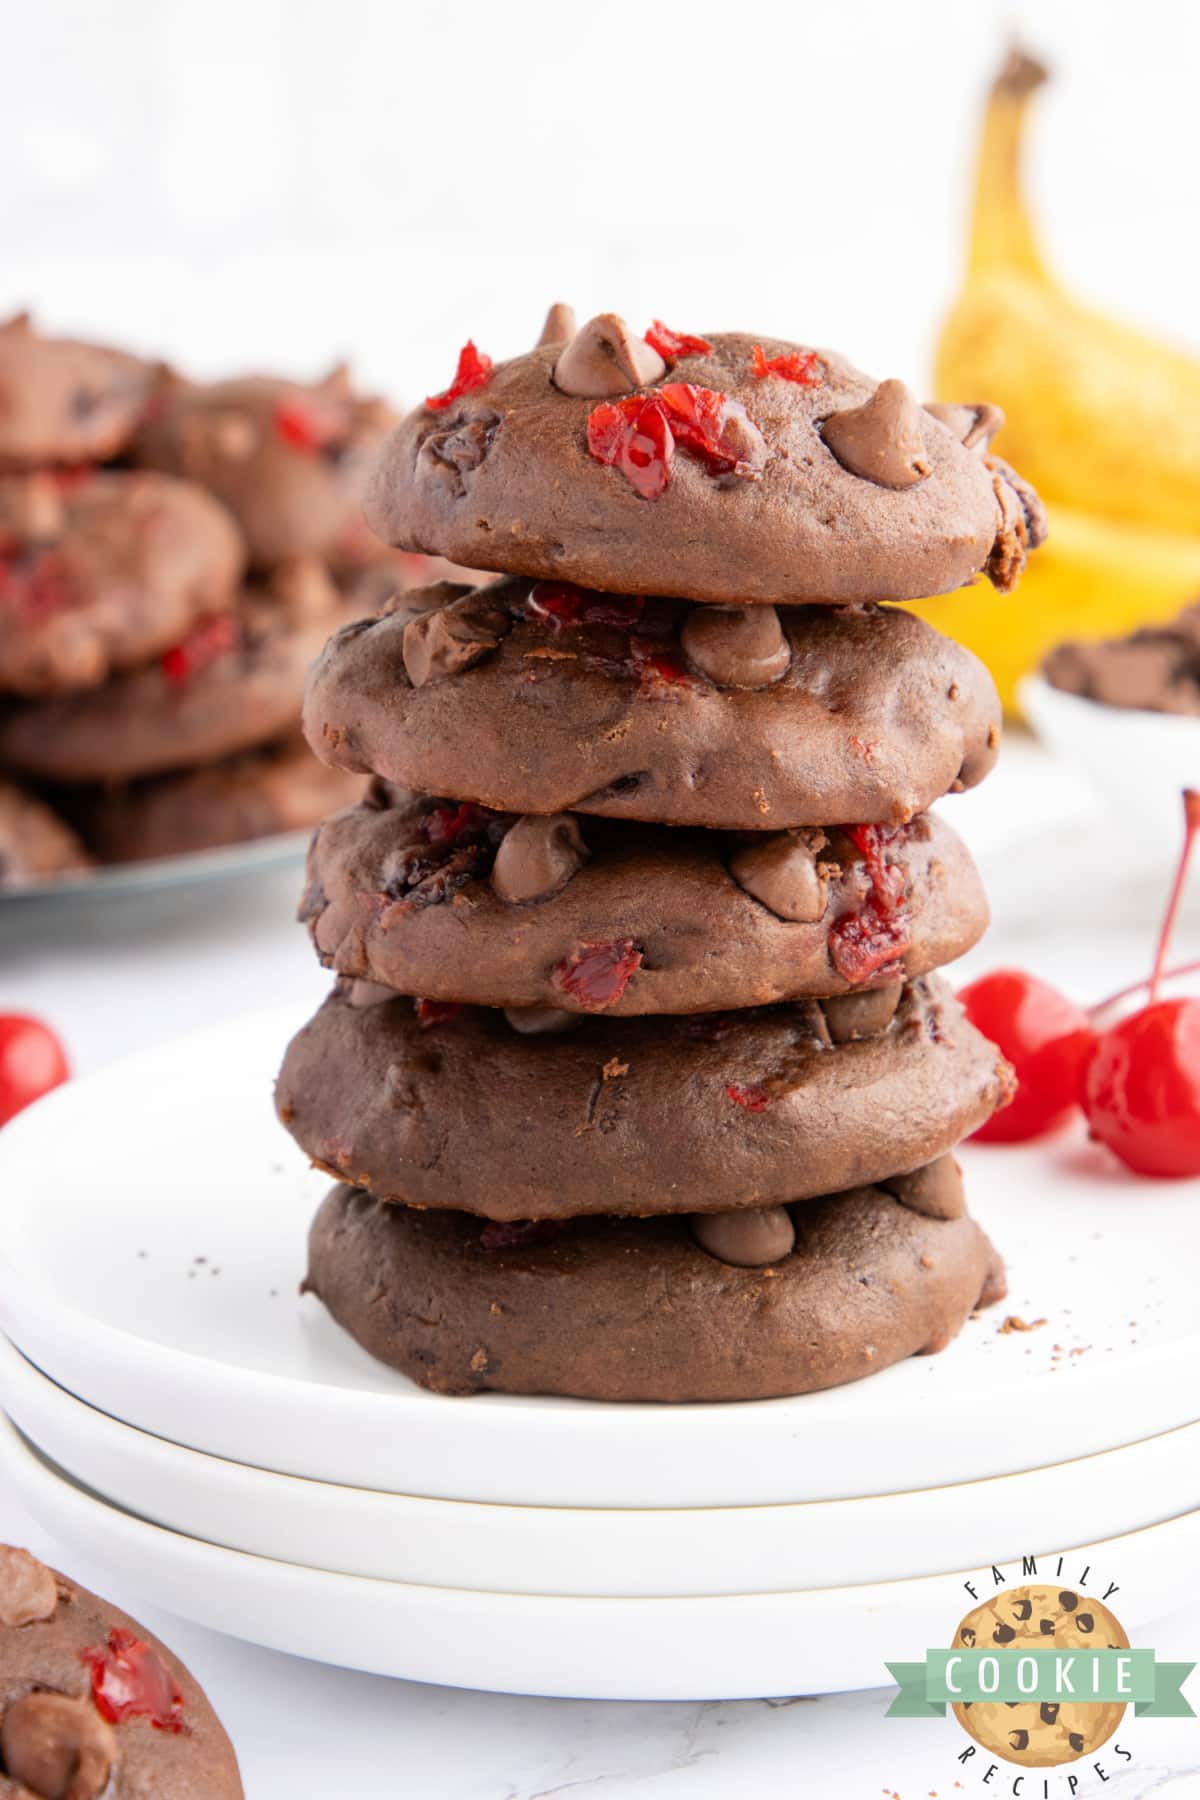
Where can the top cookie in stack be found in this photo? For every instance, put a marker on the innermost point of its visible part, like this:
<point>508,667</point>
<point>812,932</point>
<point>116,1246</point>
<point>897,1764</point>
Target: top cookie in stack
<point>656,800</point>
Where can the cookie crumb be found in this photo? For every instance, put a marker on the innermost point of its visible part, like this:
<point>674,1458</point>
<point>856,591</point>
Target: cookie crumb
<point>1014,1322</point>
<point>613,1068</point>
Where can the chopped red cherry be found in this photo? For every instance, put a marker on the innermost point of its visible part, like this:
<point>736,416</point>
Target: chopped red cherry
<point>753,1098</point>
<point>35,584</point>
<point>32,1062</point>
<point>435,1012</point>
<point>131,1681</point>
<point>872,940</point>
<point>299,426</point>
<point>804,368</point>
<point>446,824</point>
<point>1142,1086</point>
<point>639,434</point>
<point>562,604</point>
<point>653,664</point>
<point>1047,1039</point>
<point>209,640</point>
<point>474,371</point>
<point>671,345</point>
<point>596,975</point>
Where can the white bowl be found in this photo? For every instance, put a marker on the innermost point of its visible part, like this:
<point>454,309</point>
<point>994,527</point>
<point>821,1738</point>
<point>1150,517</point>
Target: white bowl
<point>1136,762</point>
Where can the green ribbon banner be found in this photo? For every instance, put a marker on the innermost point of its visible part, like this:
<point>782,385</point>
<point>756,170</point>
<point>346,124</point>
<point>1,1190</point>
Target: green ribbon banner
<point>1090,1677</point>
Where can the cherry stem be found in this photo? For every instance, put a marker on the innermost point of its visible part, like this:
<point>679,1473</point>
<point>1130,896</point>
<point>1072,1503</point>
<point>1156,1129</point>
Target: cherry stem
<point>1191,824</point>
<point>1135,987</point>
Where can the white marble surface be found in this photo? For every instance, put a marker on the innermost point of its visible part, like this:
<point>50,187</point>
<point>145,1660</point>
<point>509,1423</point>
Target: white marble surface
<point>129,974</point>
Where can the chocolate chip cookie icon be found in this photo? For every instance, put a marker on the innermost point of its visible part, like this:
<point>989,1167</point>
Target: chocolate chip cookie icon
<point>1040,1734</point>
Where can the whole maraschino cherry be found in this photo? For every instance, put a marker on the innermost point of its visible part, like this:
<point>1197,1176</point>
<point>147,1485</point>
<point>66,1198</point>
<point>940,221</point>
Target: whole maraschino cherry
<point>32,1061</point>
<point>1138,1080</point>
<point>1142,1084</point>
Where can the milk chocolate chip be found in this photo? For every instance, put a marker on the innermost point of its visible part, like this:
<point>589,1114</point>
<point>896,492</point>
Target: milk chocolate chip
<point>534,1021</point>
<point>881,439</point>
<point>362,993</point>
<point>605,357</point>
<point>28,1590</point>
<point>441,643</point>
<point>59,1748</point>
<point>736,646</point>
<point>538,856</point>
<point>861,1015</point>
<point>782,872</point>
<point>973,426</point>
<point>559,327</point>
<point>936,1191</point>
<point>751,1238</point>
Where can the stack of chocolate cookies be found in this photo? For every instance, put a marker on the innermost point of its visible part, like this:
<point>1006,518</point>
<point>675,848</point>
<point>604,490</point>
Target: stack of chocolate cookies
<point>173,555</point>
<point>638,1079</point>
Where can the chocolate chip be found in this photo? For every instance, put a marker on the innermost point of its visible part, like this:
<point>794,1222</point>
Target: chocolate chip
<point>781,871</point>
<point>362,994</point>
<point>441,643</point>
<point>936,1192</point>
<point>1085,1621</point>
<point>1019,1740</point>
<point>1075,1739</point>
<point>1048,1712</point>
<point>751,1238</point>
<point>28,1589</point>
<point>1003,1634</point>
<point>1068,1601</point>
<point>1046,1627</point>
<point>605,357</point>
<point>533,1021</point>
<point>538,856</point>
<point>881,440</point>
<point>57,1747</point>
<point>973,426</point>
<point>967,1634</point>
<point>1022,1609</point>
<point>559,327</point>
<point>862,1015</point>
<point>736,646</point>
<point>456,450</point>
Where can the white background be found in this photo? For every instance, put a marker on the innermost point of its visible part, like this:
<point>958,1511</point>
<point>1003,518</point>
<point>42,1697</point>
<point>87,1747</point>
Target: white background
<point>281,183</point>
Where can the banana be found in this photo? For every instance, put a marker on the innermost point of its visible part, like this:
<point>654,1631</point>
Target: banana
<point>1093,578</point>
<point>1103,420</point>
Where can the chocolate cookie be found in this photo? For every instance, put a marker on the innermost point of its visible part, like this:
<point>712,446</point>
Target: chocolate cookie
<point>1155,669</point>
<point>458,903</point>
<point>94,1708</point>
<point>35,844</point>
<point>539,698</point>
<point>445,1107</point>
<point>289,459</point>
<point>283,788</point>
<point>235,681</point>
<point>727,469</point>
<point>62,401</point>
<point>1040,1735</point>
<point>635,1309</point>
<point>100,571</point>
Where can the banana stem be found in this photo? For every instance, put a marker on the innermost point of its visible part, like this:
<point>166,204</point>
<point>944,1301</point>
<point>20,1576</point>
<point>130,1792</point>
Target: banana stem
<point>1002,236</point>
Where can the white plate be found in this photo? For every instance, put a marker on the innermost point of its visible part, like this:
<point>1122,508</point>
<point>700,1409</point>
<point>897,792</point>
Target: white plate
<point>155,1217</point>
<point>598,1552</point>
<point>125,881</point>
<point>732,1647</point>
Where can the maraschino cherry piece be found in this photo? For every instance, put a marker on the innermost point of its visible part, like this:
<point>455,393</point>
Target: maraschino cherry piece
<point>671,345</point>
<point>34,584</point>
<point>435,1012</point>
<point>131,1681</point>
<point>632,435</point>
<point>32,1061</point>
<point>1142,1085</point>
<point>562,604</point>
<point>299,426</point>
<point>752,1099</point>
<point>596,975</point>
<point>802,367</point>
<point>444,825</point>
<point>872,940</point>
<point>473,371</point>
<point>210,639</point>
<point>1047,1039</point>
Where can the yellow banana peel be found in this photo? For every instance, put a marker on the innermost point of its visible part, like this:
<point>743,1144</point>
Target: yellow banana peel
<point>1101,418</point>
<point>1093,578</point>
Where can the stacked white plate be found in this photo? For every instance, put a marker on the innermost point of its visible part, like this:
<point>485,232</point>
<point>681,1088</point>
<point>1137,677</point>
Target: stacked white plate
<point>178,1410</point>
